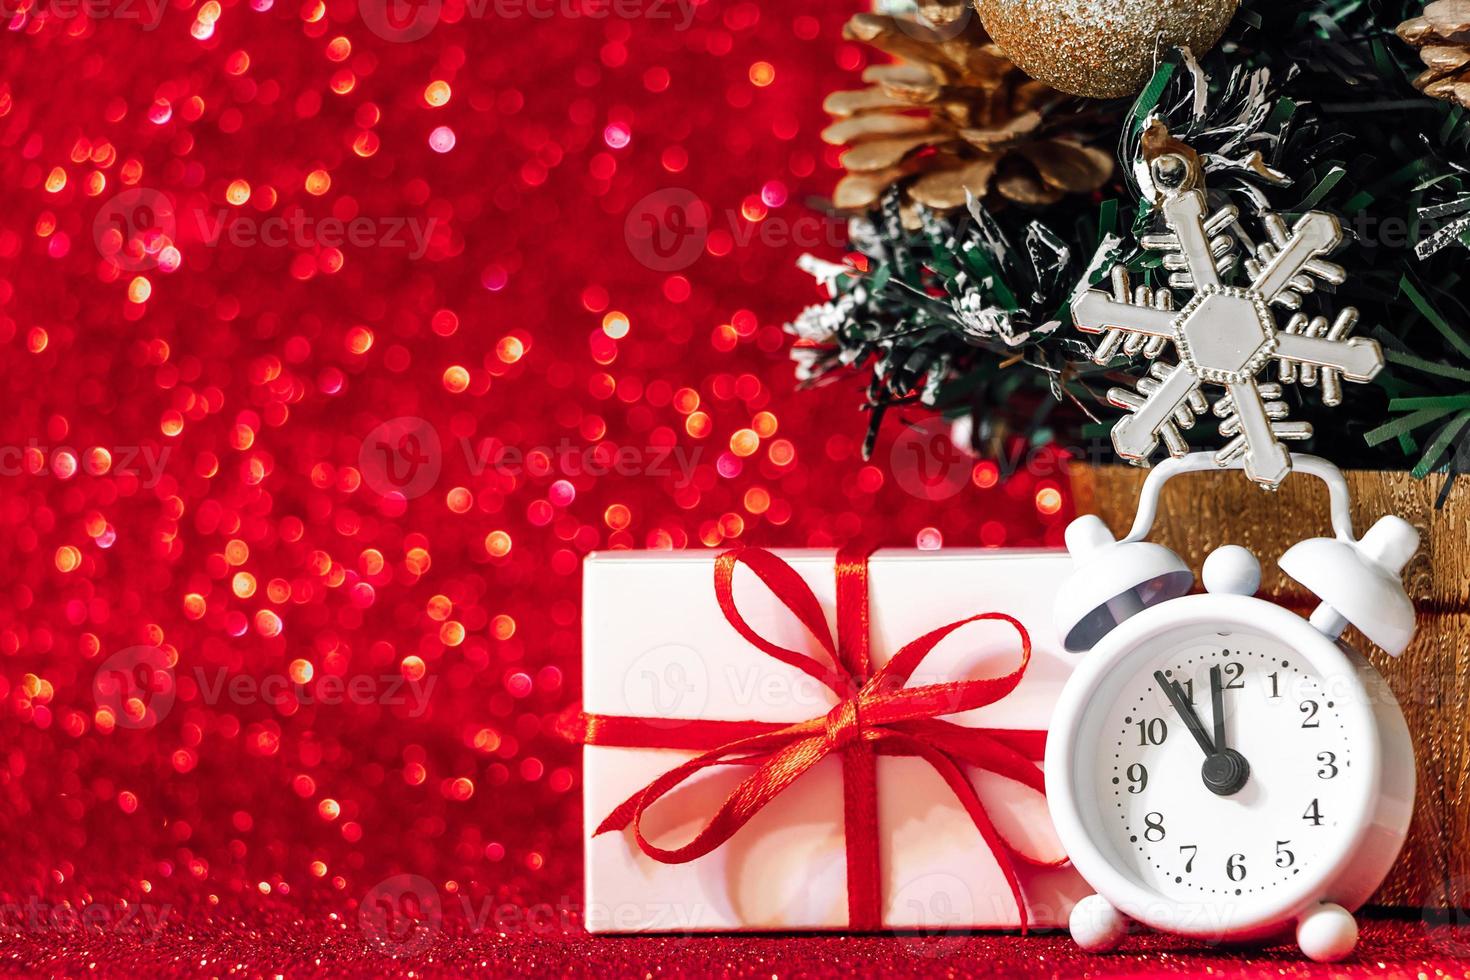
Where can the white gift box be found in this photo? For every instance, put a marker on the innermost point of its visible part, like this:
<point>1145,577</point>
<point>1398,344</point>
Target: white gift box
<point>656,645</point>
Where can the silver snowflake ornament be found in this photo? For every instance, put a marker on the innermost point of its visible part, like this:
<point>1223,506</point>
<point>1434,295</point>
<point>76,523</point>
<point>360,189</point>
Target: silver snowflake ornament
<point>1227,335</point>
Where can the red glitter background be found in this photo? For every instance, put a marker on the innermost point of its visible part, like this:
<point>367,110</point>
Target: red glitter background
<point>240,236</point>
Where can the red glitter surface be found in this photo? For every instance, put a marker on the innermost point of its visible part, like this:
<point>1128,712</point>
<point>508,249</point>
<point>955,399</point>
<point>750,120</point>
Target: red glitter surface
<point>273,942</point>
<point>331,344</point>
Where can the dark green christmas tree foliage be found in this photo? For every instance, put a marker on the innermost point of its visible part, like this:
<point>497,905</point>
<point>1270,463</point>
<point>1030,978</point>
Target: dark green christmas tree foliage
<point>1304,106</point>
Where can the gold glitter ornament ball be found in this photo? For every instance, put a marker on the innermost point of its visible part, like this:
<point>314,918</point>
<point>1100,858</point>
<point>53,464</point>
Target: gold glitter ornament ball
<point>1100,49</point>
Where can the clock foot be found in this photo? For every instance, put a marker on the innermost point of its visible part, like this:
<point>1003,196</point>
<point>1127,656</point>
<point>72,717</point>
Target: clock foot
<point>1327,933</point>
<point>1096,925</point>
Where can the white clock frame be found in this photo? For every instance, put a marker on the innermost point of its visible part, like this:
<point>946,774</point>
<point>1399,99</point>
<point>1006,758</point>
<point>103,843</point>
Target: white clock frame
<point>1319,903</point>
<point>1381,809</point>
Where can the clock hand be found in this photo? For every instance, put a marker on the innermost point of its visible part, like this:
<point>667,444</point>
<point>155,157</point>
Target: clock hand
<point>1217,705</point>
<point>1175,693</point>
<point>1225,772</point>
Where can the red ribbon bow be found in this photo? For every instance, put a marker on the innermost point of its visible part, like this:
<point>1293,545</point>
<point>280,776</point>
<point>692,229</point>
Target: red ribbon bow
<point>875,715</point>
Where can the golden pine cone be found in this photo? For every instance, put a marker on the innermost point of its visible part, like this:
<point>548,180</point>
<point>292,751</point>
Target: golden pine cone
<point>953,113</point>
<point>1442,35</point>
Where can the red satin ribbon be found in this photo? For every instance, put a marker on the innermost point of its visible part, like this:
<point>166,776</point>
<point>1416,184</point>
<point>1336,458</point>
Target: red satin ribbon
<point>876,714</point>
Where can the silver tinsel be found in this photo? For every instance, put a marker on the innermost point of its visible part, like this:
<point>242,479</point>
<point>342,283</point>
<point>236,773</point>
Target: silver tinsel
<point>820,322</point>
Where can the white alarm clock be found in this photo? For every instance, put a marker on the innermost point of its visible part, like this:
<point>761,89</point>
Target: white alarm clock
<point>1217,766</point>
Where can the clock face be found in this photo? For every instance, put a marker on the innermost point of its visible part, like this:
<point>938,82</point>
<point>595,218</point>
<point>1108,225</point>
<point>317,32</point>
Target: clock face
<point>1226,769</point>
